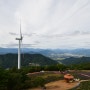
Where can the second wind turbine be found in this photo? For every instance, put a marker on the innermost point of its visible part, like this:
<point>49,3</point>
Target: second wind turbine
<point>19,46</point>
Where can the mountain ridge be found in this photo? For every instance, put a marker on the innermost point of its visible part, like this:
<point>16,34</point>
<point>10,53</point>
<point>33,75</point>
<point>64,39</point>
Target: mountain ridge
<point>75,60</point>
<point>55,54</point>
<point>10,60</point>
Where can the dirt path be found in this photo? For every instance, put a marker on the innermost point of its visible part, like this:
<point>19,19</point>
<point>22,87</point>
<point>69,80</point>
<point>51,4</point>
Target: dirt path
<point>58,85</point>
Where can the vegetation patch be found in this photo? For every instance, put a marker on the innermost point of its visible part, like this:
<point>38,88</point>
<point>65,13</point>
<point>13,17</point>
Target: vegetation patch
<point>83,86</point>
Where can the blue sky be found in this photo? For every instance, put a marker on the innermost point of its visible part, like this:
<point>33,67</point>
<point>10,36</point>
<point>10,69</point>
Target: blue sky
<point>45,23</point>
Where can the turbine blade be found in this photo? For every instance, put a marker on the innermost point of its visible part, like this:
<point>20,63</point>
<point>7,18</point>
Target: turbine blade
<point>20,31</point>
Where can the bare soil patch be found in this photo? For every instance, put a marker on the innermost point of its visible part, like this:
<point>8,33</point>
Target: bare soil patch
<point>58,85</point>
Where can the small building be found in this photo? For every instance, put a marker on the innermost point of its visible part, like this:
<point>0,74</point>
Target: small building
<point>68,77</point>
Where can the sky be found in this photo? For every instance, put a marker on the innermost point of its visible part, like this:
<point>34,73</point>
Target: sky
<point>63,24</point>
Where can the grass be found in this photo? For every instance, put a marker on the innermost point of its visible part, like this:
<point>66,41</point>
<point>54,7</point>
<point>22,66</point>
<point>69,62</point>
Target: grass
<point>40,79</point>
<point>50,75</point>
<point>83,86</point>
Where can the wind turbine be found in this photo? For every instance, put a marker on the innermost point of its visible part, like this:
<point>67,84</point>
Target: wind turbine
<point>19,46</point>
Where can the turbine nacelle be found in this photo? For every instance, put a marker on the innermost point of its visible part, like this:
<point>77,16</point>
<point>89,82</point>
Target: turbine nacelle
<point>19,38</point>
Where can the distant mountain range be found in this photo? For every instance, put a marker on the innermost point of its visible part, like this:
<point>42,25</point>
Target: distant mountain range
<point>52,53</point>
<point>8,56</point>
<point>10,60</point>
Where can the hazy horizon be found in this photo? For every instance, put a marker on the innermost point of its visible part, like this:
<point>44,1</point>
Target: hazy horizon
<point>45,48</point>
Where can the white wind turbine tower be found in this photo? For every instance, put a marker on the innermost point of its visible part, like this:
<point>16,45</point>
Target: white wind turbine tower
<point>19,46</point>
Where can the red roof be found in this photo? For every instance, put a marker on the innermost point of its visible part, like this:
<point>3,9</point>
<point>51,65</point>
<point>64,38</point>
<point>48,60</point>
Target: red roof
<point>68,76</point>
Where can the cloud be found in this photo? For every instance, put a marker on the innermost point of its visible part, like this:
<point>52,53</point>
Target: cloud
<point>46,23</point>
<point>36,42</point>
<point>11,33</point>
<point>16,45</point>
<point>29,34</point>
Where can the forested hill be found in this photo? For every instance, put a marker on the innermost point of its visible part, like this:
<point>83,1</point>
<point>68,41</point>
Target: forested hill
<point>73,60</point>
<point>11,60</point>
